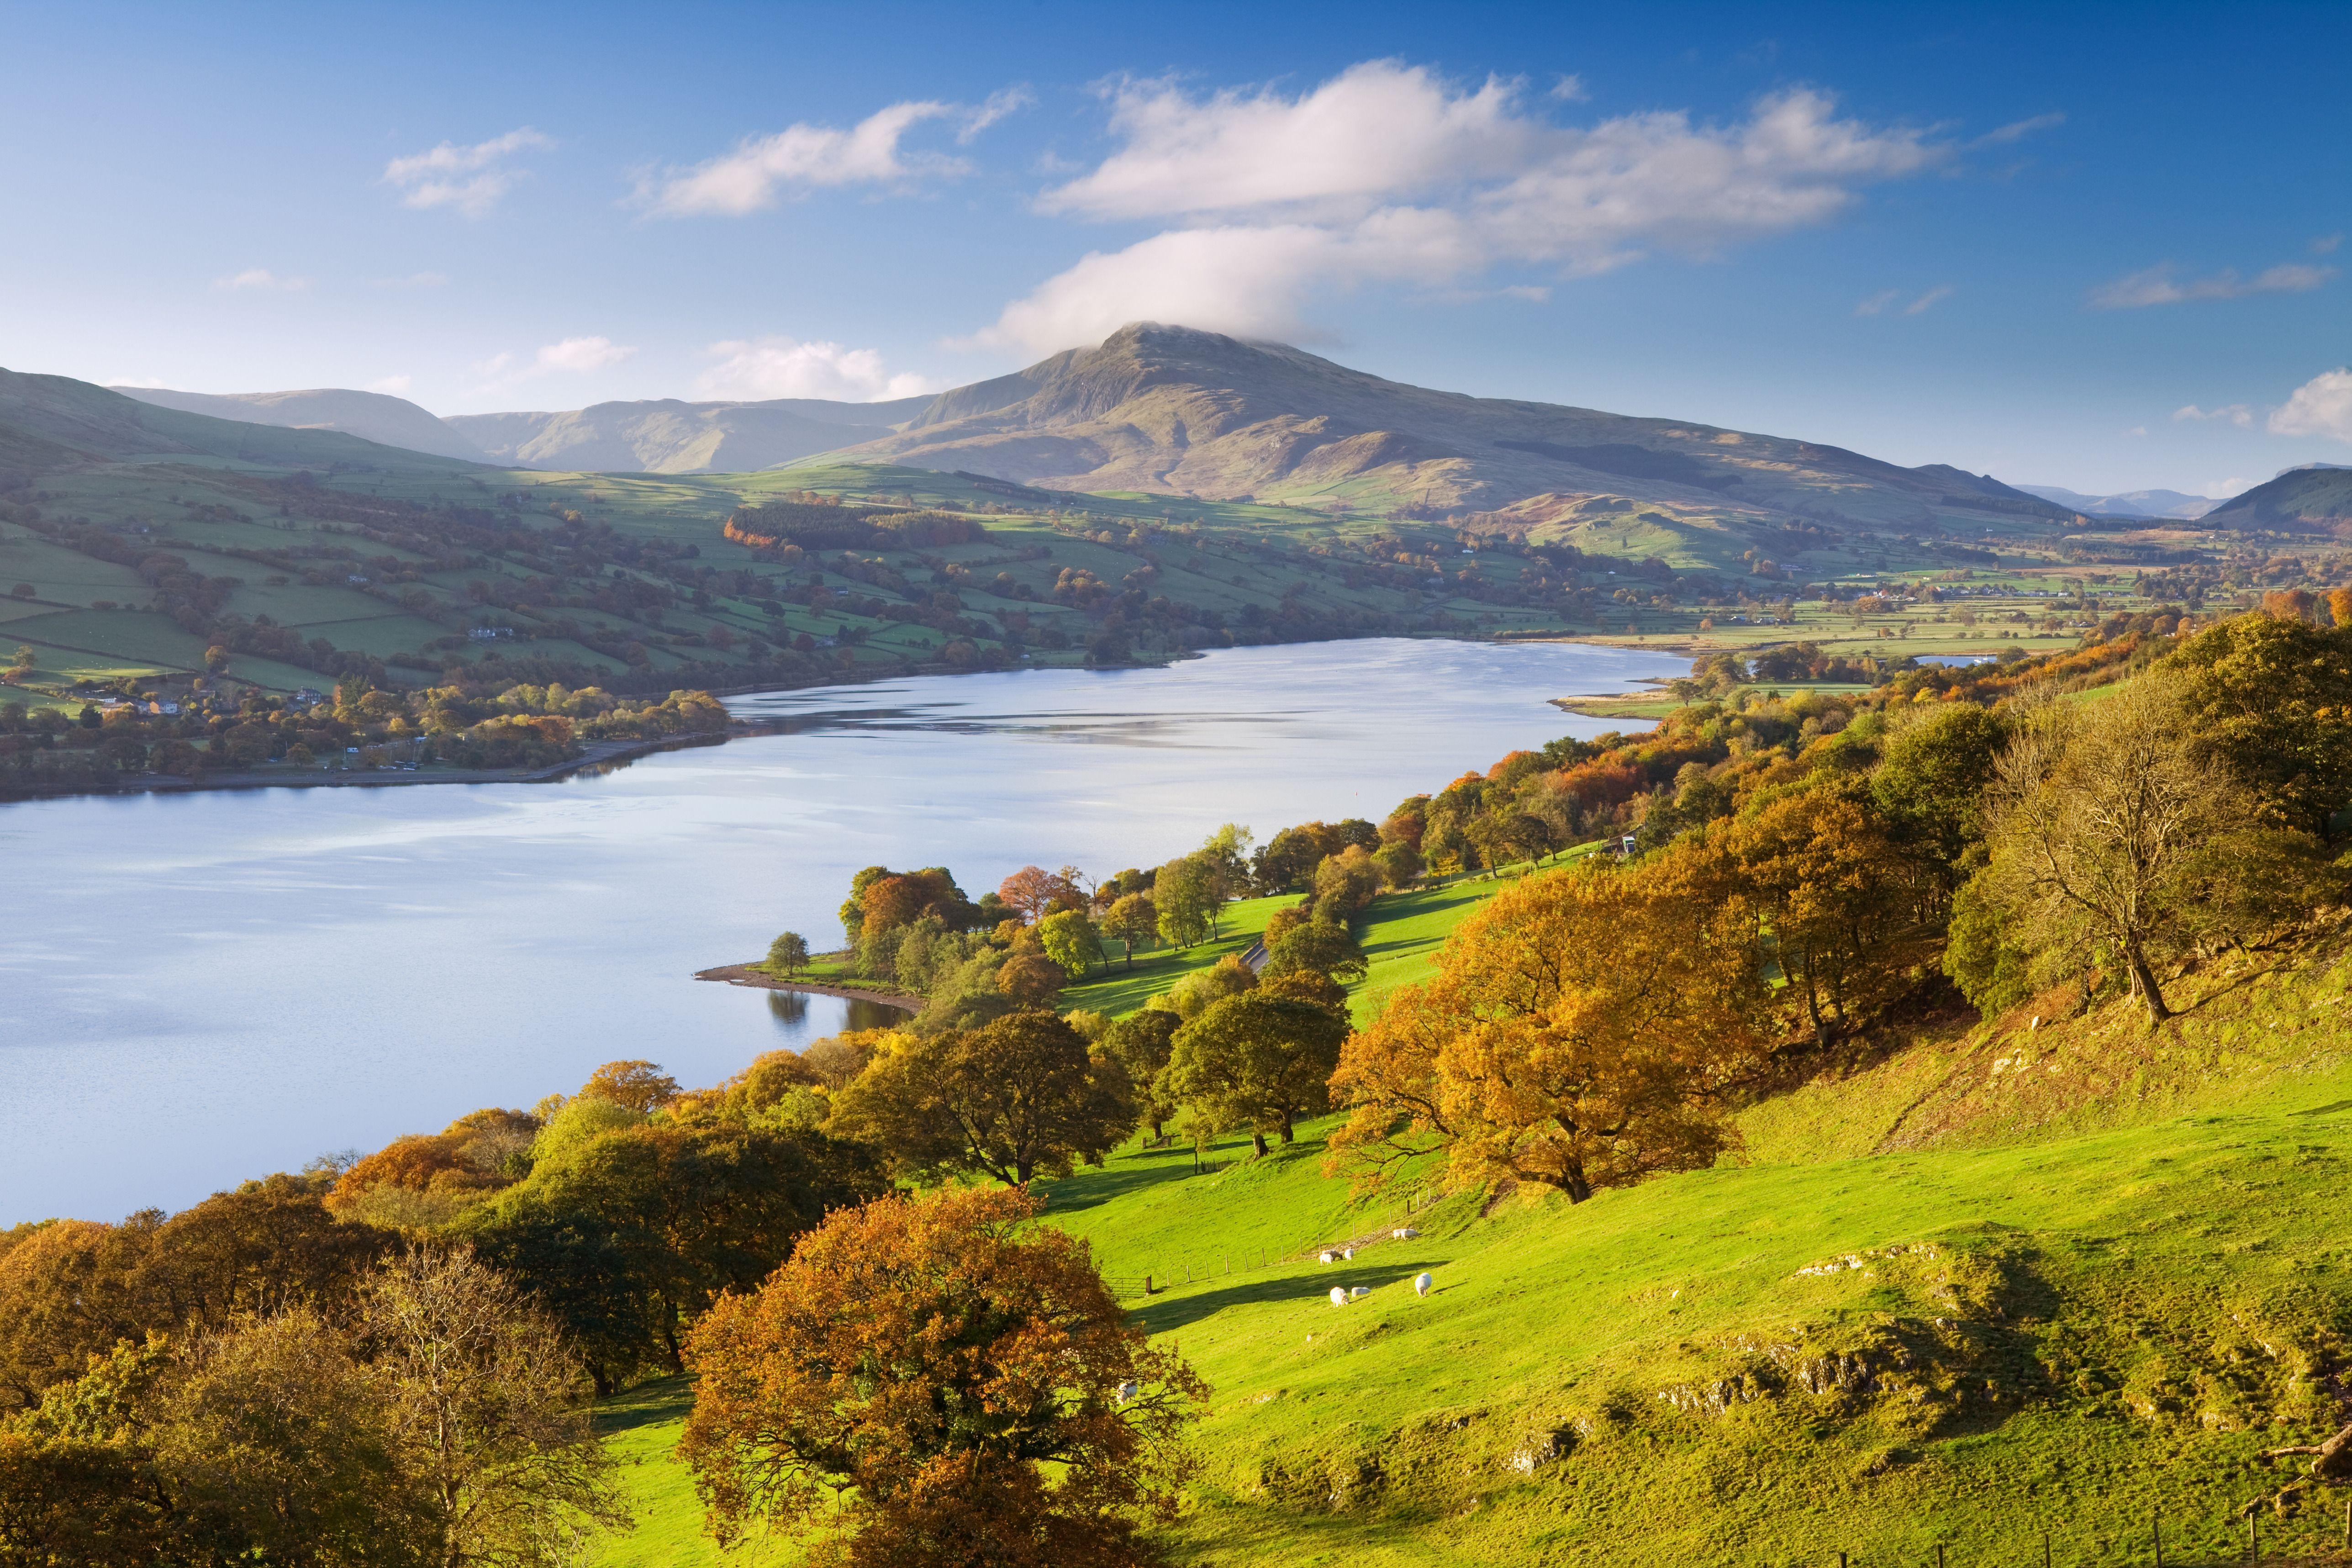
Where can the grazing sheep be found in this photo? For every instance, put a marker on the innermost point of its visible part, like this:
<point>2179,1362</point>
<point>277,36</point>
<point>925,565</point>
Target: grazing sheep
<point>1359,1292</point>
<point>1339,1296</point>
<point>1349,1253</point>
<point>1421,1284</point>
<point>1327,1256</point>
<point>1406,1232</point>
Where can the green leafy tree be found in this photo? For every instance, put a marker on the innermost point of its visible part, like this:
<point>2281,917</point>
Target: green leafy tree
<point>2270,699</point>
<point>1258,1062</point>
<point>1141,1043</point>
<point>1134,919</point>
<point>1015,1098</point>
<point>789,952</point>
<point>1320,947</point>
<point>1071,940</point>
<point>1185,896</point>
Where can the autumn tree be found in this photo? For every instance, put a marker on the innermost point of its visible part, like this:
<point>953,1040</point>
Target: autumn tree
<point>1011,1099</point>
<point>1031,979</point>
<point>1579,1033</point>
<point>1257,1060</point>
<point>1841,905</point>
<point>1036,892</point>
<point>789,952</point>
<point>1134,919</point>
<point>1345,883</point>
<point>934,1383</point>
<point>639,1086</point>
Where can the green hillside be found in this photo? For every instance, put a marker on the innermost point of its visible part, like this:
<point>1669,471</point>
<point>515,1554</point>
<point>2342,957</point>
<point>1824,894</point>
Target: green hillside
<point>2065,1278</point>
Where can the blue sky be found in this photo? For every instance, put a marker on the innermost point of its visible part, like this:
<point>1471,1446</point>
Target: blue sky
<point>2095,247</point>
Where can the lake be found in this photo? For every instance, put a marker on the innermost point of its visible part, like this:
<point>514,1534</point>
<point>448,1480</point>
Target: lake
<point>195,989</point>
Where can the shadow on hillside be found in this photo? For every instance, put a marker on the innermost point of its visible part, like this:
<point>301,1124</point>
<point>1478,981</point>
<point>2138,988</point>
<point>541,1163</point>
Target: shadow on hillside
<point>646,1405</point>
<point>1117,1179</point>
<point>1159,1317</point>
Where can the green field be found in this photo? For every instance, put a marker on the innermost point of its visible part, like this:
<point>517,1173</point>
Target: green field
<point>2013,1279</point>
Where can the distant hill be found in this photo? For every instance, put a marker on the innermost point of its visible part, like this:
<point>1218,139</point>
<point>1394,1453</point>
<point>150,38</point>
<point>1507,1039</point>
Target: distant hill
<point>2319,496</point>
<point>371,416</point>
<point>668,436</point>
<point>45,419</point>
<point>2130,503</point>
<point>1173,410</point>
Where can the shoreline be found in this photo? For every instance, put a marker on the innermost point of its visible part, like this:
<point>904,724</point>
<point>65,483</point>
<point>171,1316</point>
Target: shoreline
<point>592,755</point>
<point>746,974</point>
<point>604,754</point>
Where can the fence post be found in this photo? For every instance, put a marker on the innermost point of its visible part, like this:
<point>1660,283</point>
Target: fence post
<point>2158,1526</point>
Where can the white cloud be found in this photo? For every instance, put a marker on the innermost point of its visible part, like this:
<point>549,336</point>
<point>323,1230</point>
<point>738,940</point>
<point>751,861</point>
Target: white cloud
<point>2137,430</point>
<point>262,279</point>
<point>2325,244</point>
<point>391,385</point>
<point>571,356</point>
<point>578,356</point>
<point>1375,132</point>
<point>999,104</point>
<point>761,169</point>
<point>2017,130</point>
<point>2222,489</point>
<point>413,280</point>
<point>1878,304</point>
<point>2236,414</point>
<point>1387,173</point>
<point>759,368</point>
<point>2157,286</point>
<point>470,179</point>
<point>2320,406</point>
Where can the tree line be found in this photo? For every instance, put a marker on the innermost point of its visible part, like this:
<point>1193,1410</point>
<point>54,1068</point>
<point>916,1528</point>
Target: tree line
<point>2092,825</point>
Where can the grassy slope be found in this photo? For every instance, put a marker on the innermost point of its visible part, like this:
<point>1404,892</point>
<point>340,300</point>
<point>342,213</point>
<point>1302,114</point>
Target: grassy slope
<point>2138,1267</point>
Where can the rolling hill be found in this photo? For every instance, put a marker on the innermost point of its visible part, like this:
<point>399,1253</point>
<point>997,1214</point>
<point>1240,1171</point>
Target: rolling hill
<point>371,416</point>
<point>1172,410</point>
<point>2319,497</point>
<point>667,436</point>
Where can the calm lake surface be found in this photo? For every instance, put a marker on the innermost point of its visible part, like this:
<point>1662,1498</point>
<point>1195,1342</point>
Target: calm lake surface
<point>202,988</point>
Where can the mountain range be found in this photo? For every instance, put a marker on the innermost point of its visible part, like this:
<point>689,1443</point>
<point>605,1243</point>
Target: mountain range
<point>1171,410</point>
<point>2130,503</point>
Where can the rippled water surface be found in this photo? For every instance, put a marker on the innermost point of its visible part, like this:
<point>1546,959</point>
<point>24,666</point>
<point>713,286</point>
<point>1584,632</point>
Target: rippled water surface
<point>197,989</point>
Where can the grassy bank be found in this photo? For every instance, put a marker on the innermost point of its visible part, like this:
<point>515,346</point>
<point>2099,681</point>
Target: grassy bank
<point>2068,1278</point>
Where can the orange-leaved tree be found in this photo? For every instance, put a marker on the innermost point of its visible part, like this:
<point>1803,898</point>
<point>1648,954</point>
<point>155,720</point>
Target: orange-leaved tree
<point>961,1383</point>
<point>1845,907</point>
<point>1580,1032</point>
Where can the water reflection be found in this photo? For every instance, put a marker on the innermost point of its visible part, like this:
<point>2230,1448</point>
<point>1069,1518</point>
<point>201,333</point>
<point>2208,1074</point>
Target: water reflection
<point>198,989</point>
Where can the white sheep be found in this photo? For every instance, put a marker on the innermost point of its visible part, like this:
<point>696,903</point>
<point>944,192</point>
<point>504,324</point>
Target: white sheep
<point>1421,1284</point>
<point>1347,1253</point>
<point>1359,1292</point>
<point>1406,1232</point>
<point>1339,1296</point>
<point>1327,1256</point>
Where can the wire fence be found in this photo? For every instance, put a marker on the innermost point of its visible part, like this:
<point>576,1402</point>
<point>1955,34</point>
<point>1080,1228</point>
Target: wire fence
<point>2256,1536</point>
